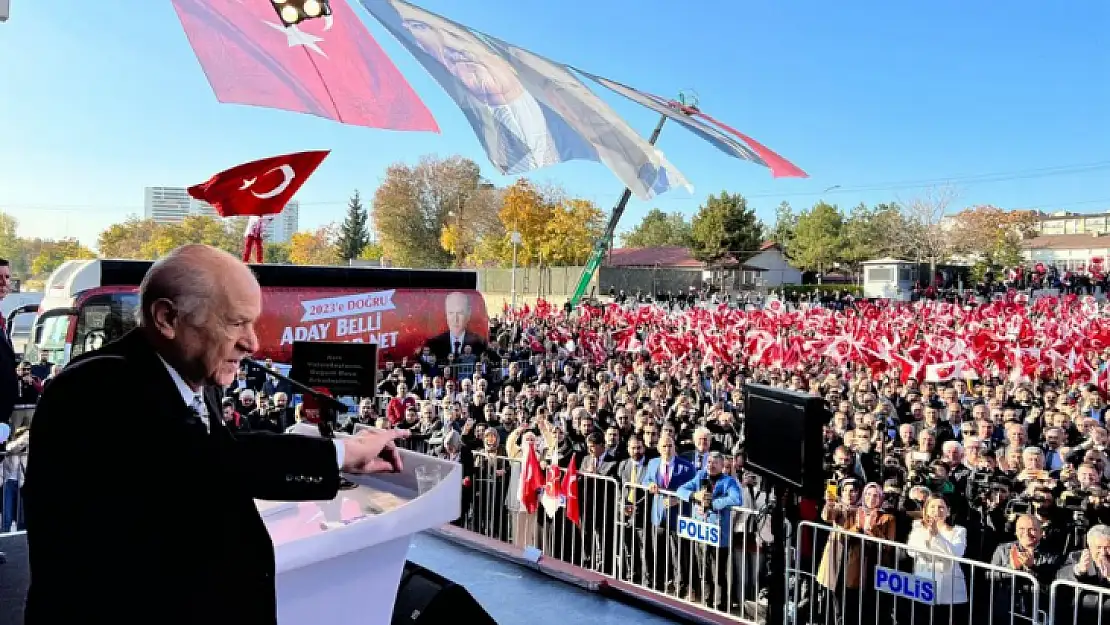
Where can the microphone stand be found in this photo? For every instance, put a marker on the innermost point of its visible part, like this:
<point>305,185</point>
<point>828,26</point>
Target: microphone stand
<point>330,407</point>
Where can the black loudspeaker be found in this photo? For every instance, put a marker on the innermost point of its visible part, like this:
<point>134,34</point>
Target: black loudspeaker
<point>784,437</point>
<point>426,598</point>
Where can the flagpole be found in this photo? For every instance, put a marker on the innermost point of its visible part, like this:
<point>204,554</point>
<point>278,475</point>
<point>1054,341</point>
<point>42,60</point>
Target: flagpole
<point>604,243</point>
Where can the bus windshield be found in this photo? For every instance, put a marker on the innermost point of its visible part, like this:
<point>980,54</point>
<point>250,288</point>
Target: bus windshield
<point>103,319</point>
<point>50,338</point>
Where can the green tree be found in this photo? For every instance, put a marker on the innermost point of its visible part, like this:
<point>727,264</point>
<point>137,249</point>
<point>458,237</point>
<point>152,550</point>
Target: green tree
<point>224,234</point>
<point>11,246</point>
<point>785,224</point>
<point>725,227</point>
<point>276,254</point>
<point>53,253</point>
<point>818,241</point>
<point>354,234</point>
<point>659,229</point>
<point>130,239</point>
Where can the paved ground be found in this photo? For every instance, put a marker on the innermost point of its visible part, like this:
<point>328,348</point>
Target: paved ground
<point>510,593</point>
<point>13,579</point>
<point>513,594</point>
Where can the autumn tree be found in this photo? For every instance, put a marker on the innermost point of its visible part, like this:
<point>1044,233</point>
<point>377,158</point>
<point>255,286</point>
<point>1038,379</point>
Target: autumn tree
<point>818,238</point>
<point>574,226</point>
<point>474,217</point>
<point>371,251</point>
<point>53,253</point>
<point>412,206</point>
<point>659,229</point>
<point>354,234</point>
<point>986,229</point>
<point>525,209</point>
<point>725,227</point>
<point>314,248</point>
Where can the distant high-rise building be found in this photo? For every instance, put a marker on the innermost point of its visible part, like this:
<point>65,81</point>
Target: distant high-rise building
<point>171,205</point>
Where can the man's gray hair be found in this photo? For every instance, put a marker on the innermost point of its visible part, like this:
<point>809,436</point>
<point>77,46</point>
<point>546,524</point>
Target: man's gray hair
<point>1098,531</point>
<point>460,295</point>
<point>181,279</point>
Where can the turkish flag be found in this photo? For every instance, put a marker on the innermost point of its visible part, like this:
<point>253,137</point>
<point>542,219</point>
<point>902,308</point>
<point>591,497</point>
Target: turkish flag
<point>330,67</point>
<point>570,490</point>
<point>260,187</point>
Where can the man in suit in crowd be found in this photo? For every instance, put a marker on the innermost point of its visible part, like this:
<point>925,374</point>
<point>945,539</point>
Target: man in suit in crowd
<point>184,541</point>
<point>457,308</point>
<point>668,472</point>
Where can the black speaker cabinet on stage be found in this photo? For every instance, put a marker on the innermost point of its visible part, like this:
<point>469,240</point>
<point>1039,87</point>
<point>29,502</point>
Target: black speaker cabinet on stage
<point>784,437</point>
<point>427,598</point>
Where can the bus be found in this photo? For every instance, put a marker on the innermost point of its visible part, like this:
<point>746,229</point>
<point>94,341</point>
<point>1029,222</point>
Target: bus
<point>88,303</point>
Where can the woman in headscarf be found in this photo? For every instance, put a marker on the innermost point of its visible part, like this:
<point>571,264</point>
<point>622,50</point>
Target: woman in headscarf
<point>848,561</point>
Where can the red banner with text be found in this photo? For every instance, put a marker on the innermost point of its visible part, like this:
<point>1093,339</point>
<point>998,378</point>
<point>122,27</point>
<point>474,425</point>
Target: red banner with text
<point>400,321</point>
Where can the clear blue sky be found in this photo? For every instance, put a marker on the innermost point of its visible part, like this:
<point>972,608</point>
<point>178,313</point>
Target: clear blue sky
<point>880,97</point>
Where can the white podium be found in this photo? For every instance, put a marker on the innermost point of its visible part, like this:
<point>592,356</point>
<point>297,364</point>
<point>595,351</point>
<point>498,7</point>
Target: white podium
<point>339,562</point>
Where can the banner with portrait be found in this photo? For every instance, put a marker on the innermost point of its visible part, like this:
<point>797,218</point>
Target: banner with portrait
<point>400,321</point>
<point>528,112</point>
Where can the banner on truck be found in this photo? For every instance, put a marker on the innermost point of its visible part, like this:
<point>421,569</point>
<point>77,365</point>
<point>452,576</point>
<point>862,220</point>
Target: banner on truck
<point>399,321</point>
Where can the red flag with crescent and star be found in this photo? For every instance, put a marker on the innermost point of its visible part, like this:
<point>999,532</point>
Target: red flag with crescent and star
<point>330,67</point>
<point>261,187</point>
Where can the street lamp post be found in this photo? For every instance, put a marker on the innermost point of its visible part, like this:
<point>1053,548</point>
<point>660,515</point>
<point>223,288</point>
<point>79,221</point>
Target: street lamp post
<point>516,241</point>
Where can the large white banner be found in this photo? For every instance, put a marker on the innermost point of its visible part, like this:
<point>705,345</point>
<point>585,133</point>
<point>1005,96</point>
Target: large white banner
<point>527,111</point>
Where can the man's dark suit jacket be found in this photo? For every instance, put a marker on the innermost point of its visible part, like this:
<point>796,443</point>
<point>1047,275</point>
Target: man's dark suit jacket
<point>9,382</point>
<point>441,345</point>
<point>152,519</point>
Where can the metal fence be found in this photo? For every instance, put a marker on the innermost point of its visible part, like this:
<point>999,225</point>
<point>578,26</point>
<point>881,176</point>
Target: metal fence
<point>656,540</point>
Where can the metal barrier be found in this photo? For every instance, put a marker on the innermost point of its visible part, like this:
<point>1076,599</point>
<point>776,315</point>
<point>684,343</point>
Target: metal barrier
<point>665,549</point>
<point>1073,603</point>
<point>861,579</point>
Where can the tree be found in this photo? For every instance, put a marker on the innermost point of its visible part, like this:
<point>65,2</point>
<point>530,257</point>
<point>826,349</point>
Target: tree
<point>276,254</point>
<point>145,239</point>
<point>981,229</point>
<point>725,227</point>
<point>659,229</point>
<point>818,241</point>
<point>128,239</point>
<point>574,227</point>
<point>926,230</point>
<point>412,206</point>
<point>53,253</point>
<point>525,209</point>
<point>785,223</point>
<point>314,248</point>
<point>11,247</point>
<point>354,234</point>
<point>371,251</point>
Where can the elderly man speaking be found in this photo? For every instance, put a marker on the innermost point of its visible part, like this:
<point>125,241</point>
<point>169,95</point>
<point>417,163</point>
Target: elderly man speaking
<point>139,501</point>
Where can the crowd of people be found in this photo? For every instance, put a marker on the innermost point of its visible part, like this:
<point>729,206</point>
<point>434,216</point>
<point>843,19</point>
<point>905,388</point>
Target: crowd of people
<point>975,433</point>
